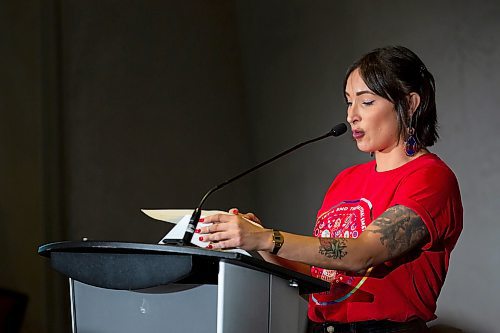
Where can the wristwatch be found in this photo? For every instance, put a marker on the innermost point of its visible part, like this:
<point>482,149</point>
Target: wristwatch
<point>278,241</point>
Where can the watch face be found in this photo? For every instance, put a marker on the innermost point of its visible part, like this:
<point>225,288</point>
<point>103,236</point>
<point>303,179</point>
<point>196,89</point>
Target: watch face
<point>277,240</point>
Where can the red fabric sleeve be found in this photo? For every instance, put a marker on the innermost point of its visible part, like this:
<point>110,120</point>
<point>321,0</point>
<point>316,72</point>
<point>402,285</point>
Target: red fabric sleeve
<point>433,193</point>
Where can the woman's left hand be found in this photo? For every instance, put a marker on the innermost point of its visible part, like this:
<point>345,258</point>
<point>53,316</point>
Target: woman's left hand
<point>235,230</point>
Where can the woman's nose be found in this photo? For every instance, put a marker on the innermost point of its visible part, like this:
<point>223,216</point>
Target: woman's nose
<point>352,114</point>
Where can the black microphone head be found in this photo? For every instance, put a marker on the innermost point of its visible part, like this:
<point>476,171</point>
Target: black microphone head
<point>339,129</point>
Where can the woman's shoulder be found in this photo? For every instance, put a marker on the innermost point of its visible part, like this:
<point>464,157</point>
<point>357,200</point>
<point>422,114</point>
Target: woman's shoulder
<point>431,163</point>
<point>430,168</point>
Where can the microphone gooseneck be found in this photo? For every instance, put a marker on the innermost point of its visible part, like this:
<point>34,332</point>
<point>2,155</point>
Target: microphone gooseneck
<point>337,130</point>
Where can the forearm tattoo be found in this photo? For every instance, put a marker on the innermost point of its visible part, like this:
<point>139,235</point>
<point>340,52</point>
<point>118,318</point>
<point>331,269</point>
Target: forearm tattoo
<point>400,229</point>
<point>334,248</point>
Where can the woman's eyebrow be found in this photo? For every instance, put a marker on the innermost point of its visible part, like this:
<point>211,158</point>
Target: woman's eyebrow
<point>362,92</point>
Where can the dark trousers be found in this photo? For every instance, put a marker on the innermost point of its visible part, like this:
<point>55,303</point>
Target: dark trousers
<point>371,326</point>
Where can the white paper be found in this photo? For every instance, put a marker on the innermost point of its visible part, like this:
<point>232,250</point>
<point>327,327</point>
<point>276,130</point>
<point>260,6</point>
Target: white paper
<point>181,217</point>
<point>175,215</point>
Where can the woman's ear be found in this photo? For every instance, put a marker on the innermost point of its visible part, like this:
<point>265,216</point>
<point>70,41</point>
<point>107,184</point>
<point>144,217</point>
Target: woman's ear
<point>414,101</point>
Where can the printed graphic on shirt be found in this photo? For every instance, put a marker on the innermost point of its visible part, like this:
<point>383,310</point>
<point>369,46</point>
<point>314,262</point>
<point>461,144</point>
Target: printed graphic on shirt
<point>347,220</point>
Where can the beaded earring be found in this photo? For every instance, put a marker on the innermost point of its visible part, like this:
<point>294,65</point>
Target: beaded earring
<point>411,146</point>
<point>411,143</point>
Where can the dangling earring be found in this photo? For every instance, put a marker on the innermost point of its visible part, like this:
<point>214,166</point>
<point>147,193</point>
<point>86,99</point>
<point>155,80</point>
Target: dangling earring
<point>411,143</point>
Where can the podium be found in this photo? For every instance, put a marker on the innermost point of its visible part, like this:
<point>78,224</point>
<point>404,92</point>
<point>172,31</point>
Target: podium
<point>136,287</point>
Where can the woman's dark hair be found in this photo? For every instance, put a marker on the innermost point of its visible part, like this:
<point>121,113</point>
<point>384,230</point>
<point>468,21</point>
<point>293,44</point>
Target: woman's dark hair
<point>393,72</point>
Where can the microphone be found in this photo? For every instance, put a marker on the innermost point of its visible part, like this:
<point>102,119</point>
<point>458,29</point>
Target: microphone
<point>337,130</point>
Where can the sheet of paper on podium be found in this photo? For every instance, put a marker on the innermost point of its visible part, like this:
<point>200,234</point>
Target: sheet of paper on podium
<point>181,217</point>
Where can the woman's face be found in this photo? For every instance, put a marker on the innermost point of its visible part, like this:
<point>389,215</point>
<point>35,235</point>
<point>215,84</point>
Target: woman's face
<point>372,118</point>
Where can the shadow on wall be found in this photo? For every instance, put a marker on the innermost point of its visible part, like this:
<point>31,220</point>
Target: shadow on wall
<point>445,329</point>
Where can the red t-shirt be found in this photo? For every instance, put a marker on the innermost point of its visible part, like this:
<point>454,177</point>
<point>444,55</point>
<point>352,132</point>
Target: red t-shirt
<point>402,289</point>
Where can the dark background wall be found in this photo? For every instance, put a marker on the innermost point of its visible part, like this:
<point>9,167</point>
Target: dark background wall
<point>112,106</point>
<point>148,89</point>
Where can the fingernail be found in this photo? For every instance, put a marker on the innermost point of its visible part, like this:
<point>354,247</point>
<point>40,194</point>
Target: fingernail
<point>235,212</point>
<point>201,220</point>
<point>209,246</point>
<point>201,239</point>
<point>197,231</point>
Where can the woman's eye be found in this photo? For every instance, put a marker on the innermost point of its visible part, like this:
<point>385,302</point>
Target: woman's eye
<point>348,103</point>
<point>368,102</point>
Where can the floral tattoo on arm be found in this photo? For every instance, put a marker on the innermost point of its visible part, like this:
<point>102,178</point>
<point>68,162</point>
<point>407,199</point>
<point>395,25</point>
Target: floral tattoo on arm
<point>334,248</point>
<point>400,229</point>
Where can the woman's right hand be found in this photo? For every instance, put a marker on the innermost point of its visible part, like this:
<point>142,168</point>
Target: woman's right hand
<point>235,230</point>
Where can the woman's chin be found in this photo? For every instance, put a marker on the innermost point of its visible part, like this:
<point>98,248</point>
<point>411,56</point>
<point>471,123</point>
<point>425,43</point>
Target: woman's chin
<point>364,148</point>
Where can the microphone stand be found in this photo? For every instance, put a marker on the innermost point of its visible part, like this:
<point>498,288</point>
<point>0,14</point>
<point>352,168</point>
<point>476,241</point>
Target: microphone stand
<point>337,130</point>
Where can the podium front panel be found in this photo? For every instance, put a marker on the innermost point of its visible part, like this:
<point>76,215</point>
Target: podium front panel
<point>172,308</point>
<point>243,300</point>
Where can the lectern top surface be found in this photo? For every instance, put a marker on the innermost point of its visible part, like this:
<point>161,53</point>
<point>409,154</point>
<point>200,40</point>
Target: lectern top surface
<point>101,249</point>
<point>127,247</point>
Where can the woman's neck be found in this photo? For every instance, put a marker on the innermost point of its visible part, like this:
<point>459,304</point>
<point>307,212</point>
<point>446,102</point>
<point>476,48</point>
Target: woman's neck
<point>395,158</point>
